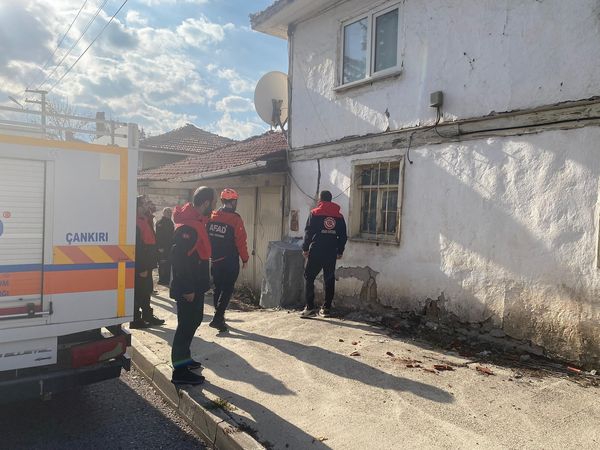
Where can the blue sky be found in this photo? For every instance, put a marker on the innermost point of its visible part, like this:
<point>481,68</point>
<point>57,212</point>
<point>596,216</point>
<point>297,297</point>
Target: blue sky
<point>160,63</point>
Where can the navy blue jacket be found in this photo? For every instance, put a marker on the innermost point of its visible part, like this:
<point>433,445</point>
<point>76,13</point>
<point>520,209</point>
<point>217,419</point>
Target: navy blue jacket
<point>325,230</point>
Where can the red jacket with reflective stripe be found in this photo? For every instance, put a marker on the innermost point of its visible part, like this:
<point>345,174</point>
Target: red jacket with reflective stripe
<point>227,236</point>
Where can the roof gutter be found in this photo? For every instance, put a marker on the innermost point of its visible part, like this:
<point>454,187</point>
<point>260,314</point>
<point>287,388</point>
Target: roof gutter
<point>168,152</point>
<point>222,172</point>
<point>276,19</point>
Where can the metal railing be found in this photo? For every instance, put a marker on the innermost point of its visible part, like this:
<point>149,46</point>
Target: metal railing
<point>44,127</point>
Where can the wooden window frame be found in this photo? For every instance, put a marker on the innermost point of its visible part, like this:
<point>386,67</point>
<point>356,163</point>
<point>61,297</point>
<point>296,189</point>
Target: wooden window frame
<point>356,207</point>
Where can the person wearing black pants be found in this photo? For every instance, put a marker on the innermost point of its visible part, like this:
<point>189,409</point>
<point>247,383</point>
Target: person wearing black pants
<point>164,241</point>
<point>228,242</point>
<point>324,242</point>
<point>190,256</point>
<point>145,262</point>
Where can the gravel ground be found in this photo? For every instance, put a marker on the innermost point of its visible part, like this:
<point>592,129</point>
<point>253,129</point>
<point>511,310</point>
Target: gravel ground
<point>123,413</point>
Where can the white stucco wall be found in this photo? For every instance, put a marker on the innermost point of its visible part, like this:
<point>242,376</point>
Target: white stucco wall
<point>485,55</point>
<point>506,228</point>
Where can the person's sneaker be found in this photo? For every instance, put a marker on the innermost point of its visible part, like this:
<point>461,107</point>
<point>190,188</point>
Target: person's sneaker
<point>138,323</point>
<point>221,326</point>
<point>184,376</point>
<point>325,312</point>
<point>194,365</point>
<point>155,321</point>
<point>308,313</point>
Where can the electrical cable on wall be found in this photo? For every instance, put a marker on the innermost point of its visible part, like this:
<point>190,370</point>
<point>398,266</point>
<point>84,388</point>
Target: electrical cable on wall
<point>289,168</point>
<point>432,127</point>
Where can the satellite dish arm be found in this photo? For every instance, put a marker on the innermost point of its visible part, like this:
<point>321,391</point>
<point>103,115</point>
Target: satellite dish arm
<point>276,116</point>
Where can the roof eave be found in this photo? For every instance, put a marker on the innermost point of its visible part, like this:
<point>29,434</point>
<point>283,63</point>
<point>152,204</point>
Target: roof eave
<point>276,19</point>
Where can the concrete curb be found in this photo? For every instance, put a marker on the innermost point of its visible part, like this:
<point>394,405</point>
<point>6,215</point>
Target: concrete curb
<point>217,429</point>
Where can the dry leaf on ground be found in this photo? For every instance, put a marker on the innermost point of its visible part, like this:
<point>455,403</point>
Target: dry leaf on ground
<point>484,370</point>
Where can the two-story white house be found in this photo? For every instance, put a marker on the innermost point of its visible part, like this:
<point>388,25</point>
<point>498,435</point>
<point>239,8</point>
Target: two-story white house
<point>484,197</point>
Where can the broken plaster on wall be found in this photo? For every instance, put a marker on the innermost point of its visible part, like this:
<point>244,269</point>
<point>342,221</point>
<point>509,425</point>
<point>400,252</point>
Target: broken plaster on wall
<point>355,286</point>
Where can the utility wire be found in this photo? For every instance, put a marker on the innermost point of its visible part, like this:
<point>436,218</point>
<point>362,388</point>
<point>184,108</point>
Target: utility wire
<point>51,57</point>
<point>89,24</point>
<point>289,169</point>
<point>432,127</point>
<point>88,47</point>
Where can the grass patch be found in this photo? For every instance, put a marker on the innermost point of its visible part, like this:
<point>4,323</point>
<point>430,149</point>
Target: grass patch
<point>221,403</point>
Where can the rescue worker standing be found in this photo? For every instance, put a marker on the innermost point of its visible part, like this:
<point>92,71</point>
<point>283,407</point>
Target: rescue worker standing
<point>324,242</point>
<point>190,257</point>
<point>145,262</point>
<point>164,240</point>
<point>228,242</point>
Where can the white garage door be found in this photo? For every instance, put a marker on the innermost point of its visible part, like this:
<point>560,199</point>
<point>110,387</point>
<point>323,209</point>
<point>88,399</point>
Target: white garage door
<point>22,185</point>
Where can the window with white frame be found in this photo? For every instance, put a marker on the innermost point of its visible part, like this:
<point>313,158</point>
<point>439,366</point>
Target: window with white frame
<point>377,201</point>
<point>370,46</point>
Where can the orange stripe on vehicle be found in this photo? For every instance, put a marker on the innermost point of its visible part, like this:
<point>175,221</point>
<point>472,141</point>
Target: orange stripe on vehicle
<point>65,282</point>
<point>117,253</point>
<point>123,193</point>
<point>76,255</point>
<point>60,257</point>
<point>20,283</point>
<point>123,210</point>
<point>121,277</point>
<point>96,253</point>
<point>64,145</point>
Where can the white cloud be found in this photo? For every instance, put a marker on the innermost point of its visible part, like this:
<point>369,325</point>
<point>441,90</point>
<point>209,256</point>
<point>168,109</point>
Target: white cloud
<point>134,18</point>
<point>198,32</point>
<point>237,129</point>
<point>170,2</point>
<point>155,76</point>
<point>235,103</point>
<point>237,83</point>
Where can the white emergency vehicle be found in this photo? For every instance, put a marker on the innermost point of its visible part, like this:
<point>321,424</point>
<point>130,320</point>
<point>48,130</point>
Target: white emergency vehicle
<point>67,246</point>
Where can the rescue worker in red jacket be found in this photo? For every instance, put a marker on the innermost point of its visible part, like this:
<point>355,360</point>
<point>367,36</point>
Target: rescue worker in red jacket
<point>145,262</point>
<point>190,256</point>
<point>228,242</point>
<point>324,242</point>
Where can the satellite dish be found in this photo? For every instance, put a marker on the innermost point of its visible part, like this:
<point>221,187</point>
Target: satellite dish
<point>271,98</point>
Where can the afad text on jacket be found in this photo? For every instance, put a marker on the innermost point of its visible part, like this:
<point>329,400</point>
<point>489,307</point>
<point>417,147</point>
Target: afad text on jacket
<point>227,236</point>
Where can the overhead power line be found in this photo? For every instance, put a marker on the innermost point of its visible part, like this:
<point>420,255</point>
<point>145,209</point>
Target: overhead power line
<point>88,47</point>
<point>89,24</point>
<point>51,57</point>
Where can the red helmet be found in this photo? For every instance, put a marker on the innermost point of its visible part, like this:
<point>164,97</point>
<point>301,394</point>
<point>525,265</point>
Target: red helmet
<point>229,194</point>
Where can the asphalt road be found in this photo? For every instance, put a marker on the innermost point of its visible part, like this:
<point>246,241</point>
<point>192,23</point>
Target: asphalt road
<point>123,413</point>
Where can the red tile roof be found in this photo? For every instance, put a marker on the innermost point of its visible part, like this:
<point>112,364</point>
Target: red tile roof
<point>257,148</point>
<point>187,139</point>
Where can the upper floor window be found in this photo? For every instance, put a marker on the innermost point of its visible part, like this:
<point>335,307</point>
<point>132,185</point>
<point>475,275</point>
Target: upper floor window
<point>370,46</point>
